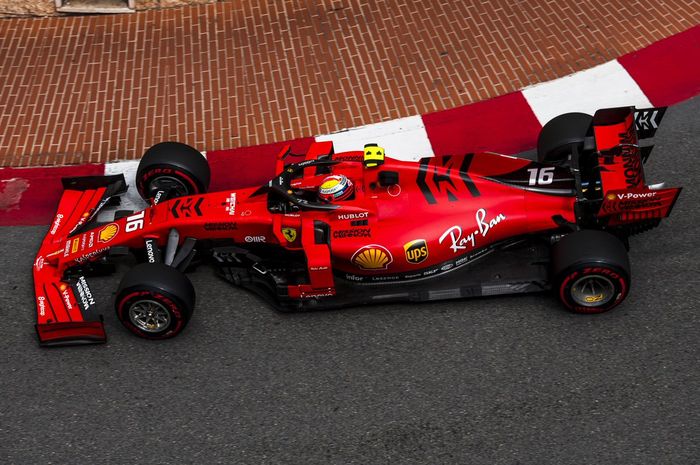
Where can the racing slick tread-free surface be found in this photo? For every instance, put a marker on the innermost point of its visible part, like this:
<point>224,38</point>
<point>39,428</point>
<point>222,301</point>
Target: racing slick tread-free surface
<point>590,252</point>
<point>559,134</point>
<point>157,278</point>
<point>589,246</point>
<point>179,156</point>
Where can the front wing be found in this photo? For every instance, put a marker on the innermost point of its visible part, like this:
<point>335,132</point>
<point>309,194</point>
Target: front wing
<point>66,309</point>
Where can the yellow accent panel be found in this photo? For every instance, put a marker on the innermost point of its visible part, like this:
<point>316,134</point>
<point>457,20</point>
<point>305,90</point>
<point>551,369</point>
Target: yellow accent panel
<point>373,155</point>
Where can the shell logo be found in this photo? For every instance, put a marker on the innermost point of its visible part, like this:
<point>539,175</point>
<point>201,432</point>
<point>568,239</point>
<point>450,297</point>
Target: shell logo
<point>372,257</point>
<point>610,196</point>
<point>107,233</point>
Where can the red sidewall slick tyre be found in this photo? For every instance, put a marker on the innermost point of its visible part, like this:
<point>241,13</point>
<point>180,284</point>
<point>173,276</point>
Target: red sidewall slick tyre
<point>590,271</point>
<point>155,301</point>
<point>557,137</point>
<point>617,278</point>
<point>178,314</point>
<point>181,169</point>
<point>145,178</point>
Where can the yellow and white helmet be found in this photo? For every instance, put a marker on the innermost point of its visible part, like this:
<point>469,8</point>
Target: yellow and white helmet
<point>335,187</point>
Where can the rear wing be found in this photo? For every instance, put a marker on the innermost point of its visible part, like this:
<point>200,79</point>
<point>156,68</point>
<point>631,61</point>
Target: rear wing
<point>66,309</point>
<point>626,196</point>
<point>647,121</point>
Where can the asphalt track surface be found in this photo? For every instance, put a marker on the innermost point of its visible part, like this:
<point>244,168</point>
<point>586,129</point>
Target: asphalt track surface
<point>507,380</point>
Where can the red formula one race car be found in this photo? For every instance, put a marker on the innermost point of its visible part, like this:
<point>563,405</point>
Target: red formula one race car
<point>357,228</point>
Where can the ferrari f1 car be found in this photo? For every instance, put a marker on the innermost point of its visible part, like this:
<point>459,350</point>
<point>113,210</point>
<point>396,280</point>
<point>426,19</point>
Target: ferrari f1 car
<point>354,228</point>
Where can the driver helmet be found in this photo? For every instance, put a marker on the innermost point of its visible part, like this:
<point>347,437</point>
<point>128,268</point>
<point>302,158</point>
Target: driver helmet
<point>335,187</point>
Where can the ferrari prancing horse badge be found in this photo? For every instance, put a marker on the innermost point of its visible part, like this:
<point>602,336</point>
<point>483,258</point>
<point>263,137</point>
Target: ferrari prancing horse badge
<point>290,234</point>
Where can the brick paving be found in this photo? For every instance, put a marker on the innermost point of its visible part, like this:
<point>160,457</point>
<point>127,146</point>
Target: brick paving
<point>103,88</point>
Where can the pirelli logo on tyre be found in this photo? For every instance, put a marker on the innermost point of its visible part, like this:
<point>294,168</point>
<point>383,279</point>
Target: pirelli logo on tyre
<point>416,251</point>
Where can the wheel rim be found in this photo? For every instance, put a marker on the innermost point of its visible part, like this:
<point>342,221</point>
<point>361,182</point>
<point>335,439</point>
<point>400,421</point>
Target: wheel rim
<point>149,315</point>
<point>592,291</point>
<point>168,183</point>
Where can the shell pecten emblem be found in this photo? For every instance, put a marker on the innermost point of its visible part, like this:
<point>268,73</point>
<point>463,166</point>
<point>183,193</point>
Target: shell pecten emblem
<point>108,232</point>
<point>372,257</point>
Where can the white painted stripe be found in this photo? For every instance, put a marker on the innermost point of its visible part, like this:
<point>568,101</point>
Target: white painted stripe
<point>403,139</point>
<point>604,86</point>
<point>131,200</point>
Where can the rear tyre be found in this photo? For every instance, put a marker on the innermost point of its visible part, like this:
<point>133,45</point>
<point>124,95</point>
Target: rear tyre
<point>559,135</point>
<point>590,271</point>
<point>172,167</point>
<point>155,301</point>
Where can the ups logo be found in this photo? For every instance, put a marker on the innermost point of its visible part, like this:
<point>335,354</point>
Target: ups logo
<point>416,251</point>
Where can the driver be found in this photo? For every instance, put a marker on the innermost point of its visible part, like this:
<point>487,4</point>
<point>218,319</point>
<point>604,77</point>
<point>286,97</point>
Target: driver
<point>335,187</point>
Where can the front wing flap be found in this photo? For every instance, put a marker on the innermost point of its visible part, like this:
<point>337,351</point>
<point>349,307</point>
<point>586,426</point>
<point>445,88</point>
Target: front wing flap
<point>628,206</point>
<point>66,310</point>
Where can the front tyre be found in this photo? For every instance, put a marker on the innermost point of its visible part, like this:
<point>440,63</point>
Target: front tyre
<point>155,301</point>
<point>173,169</point>
<point>590,271</point>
